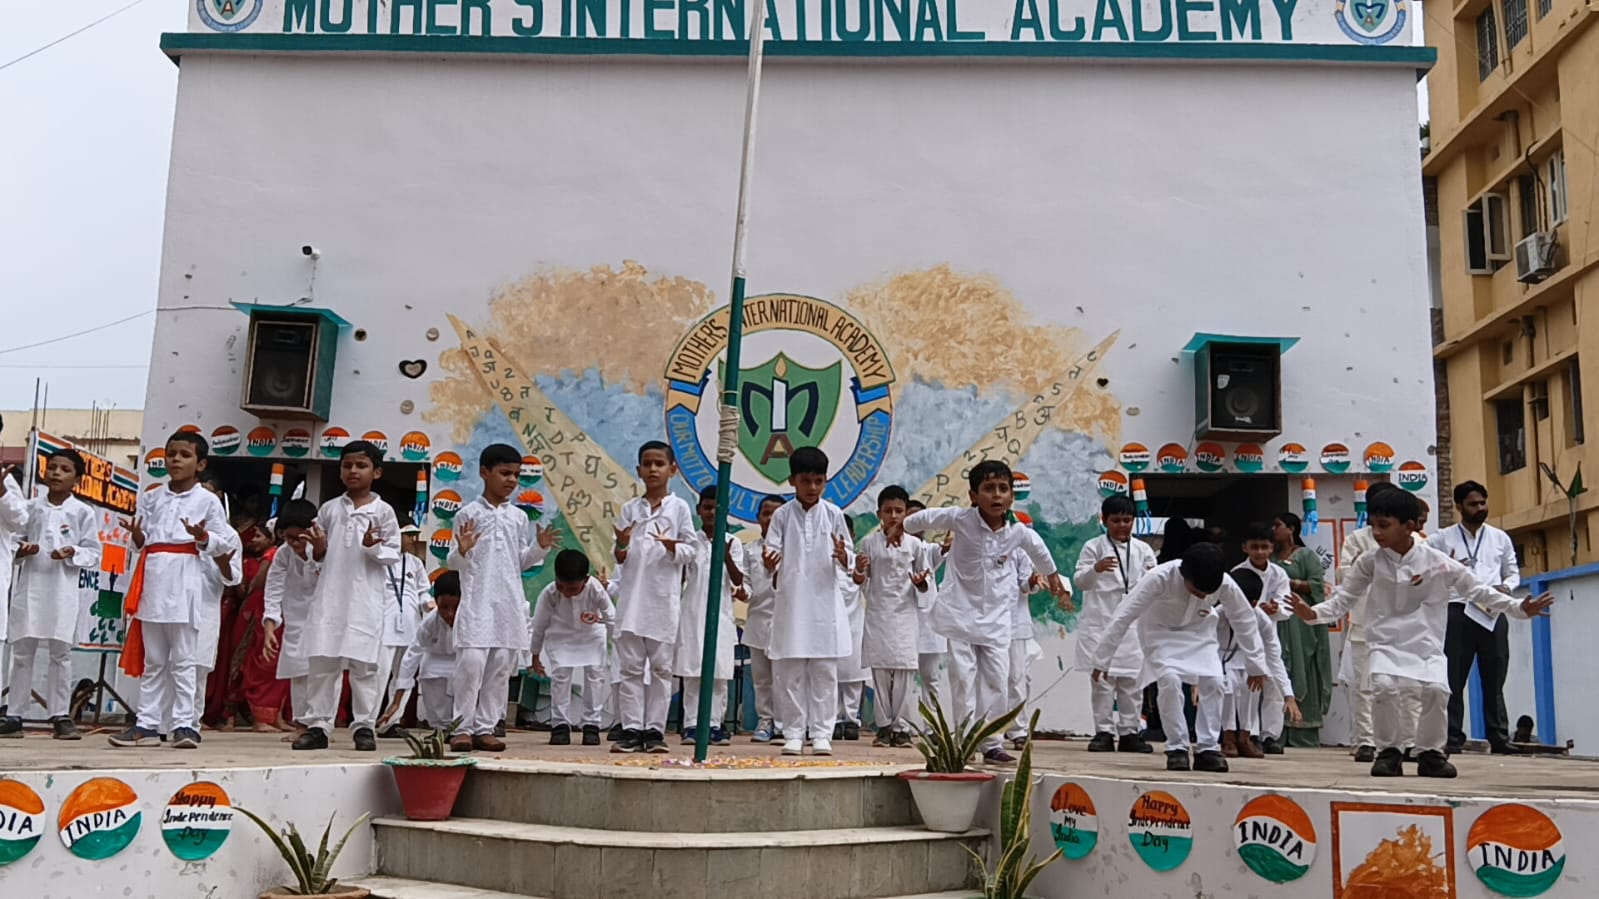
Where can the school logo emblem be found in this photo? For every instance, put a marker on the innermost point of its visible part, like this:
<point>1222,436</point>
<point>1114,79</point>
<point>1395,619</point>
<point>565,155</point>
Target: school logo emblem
<point>1250,458</point>
<point>229,15</point>
<point>1111,483</point>
<point>1293,458</point>
<point>415,446</point>
<point>1073,822</point>
<point>1371,21</point>
<point>1412,476</point>
<point>296,443</point>
<point>197,821</point>
<point>99,819</point>
<point>1134,457</point>
<point>1160,829</point>
<point>1172,458</point>
<point>1275,838</point>
<point>225,440</point>
<point>1516,850</point>
<point>261,441</point>
<point>818,378</point>
<point>1210,457</point>
<point>333,441</point>
<point>1335,458</point>
<point>21,820</point>
<point>1379,458</point>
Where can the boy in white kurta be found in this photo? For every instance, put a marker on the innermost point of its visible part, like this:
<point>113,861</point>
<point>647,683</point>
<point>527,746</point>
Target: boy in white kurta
<point>1173,607</point>
<point>494,543</point>
<point>1266,710</point>
<point>227,572</point>
<point>1240,708</point>
<point>978,596</point>
<point>807,545</point>
<point>932,648</point>
<point>898,582</point>
<point>1107,569</point>
<point>429,663</point>
<point>407,582</point>
<point>568,643</point>
<point>1023,648</point>
<point>286,602</point>
<point>13,526</point>
<point>61,540</point>
<point>852,674</point>
<point>757,634</point>
<point>175,526</point>
<point>690,655</point>
<point>356,539</point>
<point>653,538</point>
<point>1407,585</point>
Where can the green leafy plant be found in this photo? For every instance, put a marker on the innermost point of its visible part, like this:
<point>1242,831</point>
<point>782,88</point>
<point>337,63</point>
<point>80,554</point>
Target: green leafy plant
<point>1017,866</point>
<point>435,745</point>
<point>310,869</point>
<point>946,746</point>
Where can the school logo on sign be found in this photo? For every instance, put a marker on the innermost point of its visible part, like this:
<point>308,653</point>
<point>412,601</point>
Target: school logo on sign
<point>229,15</point>
<point>812,376</point>
<point>1516,850</point>
<point>99,819</point>
<point>1371,21</point>
<point>1275,838</point>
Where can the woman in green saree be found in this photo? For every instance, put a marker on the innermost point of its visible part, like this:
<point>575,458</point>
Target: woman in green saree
<point>1306,651</point>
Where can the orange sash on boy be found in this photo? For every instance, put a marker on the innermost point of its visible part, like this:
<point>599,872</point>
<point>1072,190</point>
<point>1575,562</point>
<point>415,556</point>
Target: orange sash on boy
<point>132,662</point>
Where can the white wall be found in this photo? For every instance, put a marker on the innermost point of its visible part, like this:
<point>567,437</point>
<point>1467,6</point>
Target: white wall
<point>1157,200</point>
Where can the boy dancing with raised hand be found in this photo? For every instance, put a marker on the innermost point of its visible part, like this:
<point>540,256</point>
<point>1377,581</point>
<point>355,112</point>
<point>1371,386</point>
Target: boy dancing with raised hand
<point>494,544</point>
<point>286,602</point>
<point>654,538</point>
<point>1173,608</point>
<point>1107,570</point>
<point>897,585</point>
<point>806,545</point>
<point>979,590</point>
<point>1407,587</point>
<point>568,642</point>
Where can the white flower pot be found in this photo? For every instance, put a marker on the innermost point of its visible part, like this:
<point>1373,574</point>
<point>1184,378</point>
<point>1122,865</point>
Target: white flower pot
<point>947,802</point>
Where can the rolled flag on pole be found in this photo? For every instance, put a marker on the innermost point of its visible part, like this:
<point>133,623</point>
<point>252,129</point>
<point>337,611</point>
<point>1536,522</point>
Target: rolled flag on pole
<point>1360,503</point>
<point>275,488</point>
<point>419,514</point>
<point>1146,522</point>
<point>1308,493</point>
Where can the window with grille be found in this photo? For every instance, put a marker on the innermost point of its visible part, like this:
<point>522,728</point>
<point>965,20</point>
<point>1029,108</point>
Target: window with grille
<point>1515,22</point>
<point>1487,44</point>
<point>1544,6</point>
<point>1511,418</point>
<point>1527,194</point>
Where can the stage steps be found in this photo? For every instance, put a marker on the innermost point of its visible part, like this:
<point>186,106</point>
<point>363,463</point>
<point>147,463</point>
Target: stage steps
<point>401,888</point>
<point>594,831</point>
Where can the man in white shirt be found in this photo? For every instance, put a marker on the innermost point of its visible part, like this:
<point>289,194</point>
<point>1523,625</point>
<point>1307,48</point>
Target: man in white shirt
<point>1476,634</point>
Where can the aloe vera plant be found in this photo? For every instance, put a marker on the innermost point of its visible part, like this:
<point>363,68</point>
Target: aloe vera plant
<point>311,870</point>
<point>435,745</point>
<point>946,746</point>
<point>1017,866</point>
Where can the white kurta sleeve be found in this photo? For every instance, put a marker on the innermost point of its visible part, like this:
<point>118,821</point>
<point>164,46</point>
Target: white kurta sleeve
<point>276,580</point>
<point>543,611</point>
<point>216,526</point>
<point>1127,611</point>
<point>533,555</point>
<point>942,519</point>
<point>1348,592</point>
<point>231,543</point>
<point>457,560</point>
<point>1083,577</point>
<point>410,664</point>
<point>85,541</point>
<point>1246,628</point>
<point>1509,571</point>
<point>1464,583</point>
<point>1033,545</point>
<point>13,509</point>
<point>387,550</point>
<point>683,525</point>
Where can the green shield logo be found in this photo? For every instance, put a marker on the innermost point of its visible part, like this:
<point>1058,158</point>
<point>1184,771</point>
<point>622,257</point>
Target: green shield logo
<point>785,405</point>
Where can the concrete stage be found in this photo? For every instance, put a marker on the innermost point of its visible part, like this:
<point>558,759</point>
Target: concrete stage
<point>1543,777</point>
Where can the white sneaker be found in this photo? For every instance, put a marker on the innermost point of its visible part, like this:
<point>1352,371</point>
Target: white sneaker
<point>793,747</point>
<point>821,747</point>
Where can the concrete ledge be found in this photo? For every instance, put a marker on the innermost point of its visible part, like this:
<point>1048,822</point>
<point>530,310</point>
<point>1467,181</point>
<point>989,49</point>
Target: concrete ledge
<point>402,888</point>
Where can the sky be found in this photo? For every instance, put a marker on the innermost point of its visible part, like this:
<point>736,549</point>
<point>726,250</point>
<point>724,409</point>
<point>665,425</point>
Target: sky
<point>83,175</point>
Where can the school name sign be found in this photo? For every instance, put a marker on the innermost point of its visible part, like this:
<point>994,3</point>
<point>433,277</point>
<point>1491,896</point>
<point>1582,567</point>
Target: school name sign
<point>1346,22</point>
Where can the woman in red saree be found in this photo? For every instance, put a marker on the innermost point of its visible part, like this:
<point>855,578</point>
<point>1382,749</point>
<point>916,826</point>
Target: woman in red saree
<point>253,681</point>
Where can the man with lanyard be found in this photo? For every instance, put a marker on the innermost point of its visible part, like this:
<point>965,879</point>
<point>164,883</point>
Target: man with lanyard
<point>407,584</point>
<point>1473,634</point>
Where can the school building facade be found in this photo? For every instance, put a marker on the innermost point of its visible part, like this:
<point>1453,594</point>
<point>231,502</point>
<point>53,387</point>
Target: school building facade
<point>1513,135</point>
<point>1173,242</point>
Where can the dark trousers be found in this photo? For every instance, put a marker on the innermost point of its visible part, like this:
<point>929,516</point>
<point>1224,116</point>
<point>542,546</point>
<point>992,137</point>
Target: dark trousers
<point>1464,642</point>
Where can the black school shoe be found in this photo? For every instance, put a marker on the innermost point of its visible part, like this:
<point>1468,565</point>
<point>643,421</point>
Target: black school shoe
<point>313,738</point>
<point>1102,742</point>
<point>1365,755</point>
<point>838,731</point>
<point>65,729</point>
<point>614,735</point>
<point>12,728</point>
<point>1387,763</point>
<point>1133,743</point>
<point>1432,763</point>
<point>499,729</point>
<point>1270,746</point>
<point>632,741</point>
<point>655,741</point>
<point>1177,760</point>
<point>561,735</point>
<point>366,740</point>
<point>591,735</point>
<point>852,730</point>
<point>1210,761</point>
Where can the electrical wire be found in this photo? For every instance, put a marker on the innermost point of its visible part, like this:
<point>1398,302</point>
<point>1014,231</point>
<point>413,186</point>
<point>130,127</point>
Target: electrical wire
<point>120,321</point>
<point>69,35</point>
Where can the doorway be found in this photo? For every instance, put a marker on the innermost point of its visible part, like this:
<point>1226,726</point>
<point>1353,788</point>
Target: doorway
<point>1228,502</point>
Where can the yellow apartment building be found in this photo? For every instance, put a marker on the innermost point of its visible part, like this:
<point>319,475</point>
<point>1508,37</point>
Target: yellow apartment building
<point>1514,126</point>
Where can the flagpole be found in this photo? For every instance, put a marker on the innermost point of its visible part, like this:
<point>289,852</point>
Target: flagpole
<point>727,441</point>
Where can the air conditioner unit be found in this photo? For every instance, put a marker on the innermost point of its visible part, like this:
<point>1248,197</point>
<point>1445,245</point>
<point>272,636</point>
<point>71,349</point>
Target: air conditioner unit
<point>1535,257</point>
